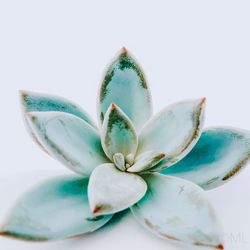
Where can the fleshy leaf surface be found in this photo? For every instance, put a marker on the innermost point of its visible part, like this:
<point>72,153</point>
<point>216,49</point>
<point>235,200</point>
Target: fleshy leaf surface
<point>173,131</point>
<point>219,155</point>
<point>56,209</point>
<point>69,139</point>
<point>111,190</point>
<point>146,161</point>
<point>176,209</point>
<point>124,84</point>
<point>118,133</point>
<point>32,101</point>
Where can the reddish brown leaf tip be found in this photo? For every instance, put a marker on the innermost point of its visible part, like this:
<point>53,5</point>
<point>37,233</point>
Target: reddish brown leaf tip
<point>124,50</point>
<point>203,100</point>
<point>97,209</point>
<point>22,96</point>
<point>22,93</point>
<point>162,155</point>
<point>220,247</point>
<point>113,106</point>
<point>2,233</point>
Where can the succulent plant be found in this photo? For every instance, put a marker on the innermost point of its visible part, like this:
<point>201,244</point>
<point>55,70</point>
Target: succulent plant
<point>158,166</point>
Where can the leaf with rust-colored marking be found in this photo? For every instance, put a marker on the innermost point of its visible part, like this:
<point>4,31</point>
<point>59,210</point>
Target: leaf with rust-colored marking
<point>173,131</point>
<point>56,209</point>
<point>69,139</point>
<point>124,83</point>
<point>111,190</point>
<point>176,209</point>
<point>219,155</point>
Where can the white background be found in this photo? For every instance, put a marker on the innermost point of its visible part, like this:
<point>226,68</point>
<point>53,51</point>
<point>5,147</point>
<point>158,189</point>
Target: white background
<point>187,49</point>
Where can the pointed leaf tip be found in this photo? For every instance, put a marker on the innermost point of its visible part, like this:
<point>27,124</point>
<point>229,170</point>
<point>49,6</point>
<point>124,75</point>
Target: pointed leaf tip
<point>203,100</point>
<point>22,94</point>
<point>113,106</point>
<point>124,50</point>
<point>220,247</point>
<point>97,209</point>
<point>216,247</point>
<point>162,155</point>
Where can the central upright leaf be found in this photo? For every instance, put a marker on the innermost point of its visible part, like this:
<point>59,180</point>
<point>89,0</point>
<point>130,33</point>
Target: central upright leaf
<point>118,133</point>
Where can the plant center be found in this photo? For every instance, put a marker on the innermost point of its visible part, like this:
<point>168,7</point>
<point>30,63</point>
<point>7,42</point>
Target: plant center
<point>123,163</point>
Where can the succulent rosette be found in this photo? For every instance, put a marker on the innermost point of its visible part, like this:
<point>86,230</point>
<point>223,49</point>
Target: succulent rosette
<point>158,166</point>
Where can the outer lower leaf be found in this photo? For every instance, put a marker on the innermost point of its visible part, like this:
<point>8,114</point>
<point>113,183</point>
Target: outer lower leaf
<point>56,209</point>
<point>173,131</point>
<point>177,210</point>
<point>111,190</point>
<point>219,155</point>
<point>31,101</point>
<point>69,139</point>
<point>124,84</point>
<point>118,133</point>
